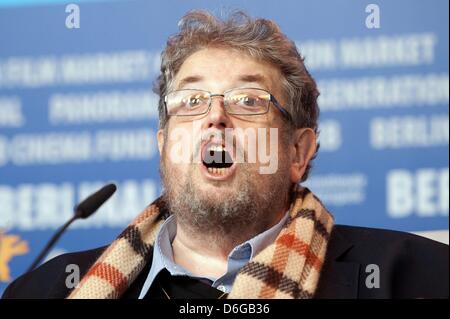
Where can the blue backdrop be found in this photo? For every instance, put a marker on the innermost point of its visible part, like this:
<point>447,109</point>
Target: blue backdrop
<point>76,111</point>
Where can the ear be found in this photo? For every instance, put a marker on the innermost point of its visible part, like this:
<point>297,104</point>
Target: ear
<point>160,137</point>
<point>303,148</point>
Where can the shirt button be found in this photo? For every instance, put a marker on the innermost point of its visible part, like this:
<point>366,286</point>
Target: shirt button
<point>222,288</point>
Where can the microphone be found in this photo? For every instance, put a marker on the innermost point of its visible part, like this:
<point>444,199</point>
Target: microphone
<point>82,211</point>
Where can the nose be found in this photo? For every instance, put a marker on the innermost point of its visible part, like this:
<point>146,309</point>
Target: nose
<point>217,116</point>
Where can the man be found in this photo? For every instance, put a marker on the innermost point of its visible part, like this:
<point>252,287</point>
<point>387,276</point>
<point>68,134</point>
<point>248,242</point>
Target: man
<point>232,221</point>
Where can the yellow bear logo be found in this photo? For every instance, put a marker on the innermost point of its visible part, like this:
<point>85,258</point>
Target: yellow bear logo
<point>10,246</point>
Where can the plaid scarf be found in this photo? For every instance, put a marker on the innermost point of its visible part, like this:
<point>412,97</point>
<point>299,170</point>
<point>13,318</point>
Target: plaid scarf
<point>287,268</point>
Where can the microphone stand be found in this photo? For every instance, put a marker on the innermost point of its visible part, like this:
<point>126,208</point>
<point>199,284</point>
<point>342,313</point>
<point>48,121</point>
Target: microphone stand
<point>85,209</point>
<point>51,242</point>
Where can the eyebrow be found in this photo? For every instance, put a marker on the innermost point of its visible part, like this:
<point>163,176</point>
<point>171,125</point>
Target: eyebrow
<point>255,78</point>
<point>189,80</point>
<point>250,78</point>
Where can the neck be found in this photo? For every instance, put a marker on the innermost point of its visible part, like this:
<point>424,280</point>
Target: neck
<point>197,255</point>
<point>206,255</point>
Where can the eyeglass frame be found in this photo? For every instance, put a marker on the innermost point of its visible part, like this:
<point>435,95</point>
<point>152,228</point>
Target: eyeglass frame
<point>272,99</point>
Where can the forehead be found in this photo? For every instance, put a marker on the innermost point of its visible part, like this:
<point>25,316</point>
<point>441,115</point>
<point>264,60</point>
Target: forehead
<point>218,69</point>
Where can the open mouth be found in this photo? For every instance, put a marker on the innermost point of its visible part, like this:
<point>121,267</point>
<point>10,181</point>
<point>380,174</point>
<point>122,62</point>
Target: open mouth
<point>217,160</point>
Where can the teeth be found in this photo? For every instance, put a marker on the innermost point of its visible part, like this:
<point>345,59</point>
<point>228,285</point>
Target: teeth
<point>216,148</point>
<point>217,171</point>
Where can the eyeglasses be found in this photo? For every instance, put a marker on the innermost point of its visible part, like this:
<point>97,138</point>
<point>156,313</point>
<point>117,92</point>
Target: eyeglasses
<point>240,101</point>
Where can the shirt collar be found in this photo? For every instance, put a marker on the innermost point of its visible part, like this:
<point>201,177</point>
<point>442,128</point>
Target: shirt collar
<point>256,244</point>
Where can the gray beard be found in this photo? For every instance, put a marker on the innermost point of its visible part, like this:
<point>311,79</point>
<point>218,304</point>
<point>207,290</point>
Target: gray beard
<point>249,211</point>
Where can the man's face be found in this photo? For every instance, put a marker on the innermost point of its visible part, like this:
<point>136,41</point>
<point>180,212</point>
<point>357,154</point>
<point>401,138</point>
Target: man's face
<point>225,193</point>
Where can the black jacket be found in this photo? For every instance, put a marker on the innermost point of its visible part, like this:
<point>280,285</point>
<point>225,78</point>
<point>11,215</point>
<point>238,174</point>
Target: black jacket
<point>409,267</point>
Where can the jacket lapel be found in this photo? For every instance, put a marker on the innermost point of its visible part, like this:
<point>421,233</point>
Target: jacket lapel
<point>339,278</point>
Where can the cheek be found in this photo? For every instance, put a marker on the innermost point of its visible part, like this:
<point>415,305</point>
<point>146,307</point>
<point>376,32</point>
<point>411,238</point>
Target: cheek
<point>175,158</point>
<point>179,147</point>
<point>175,175</point>
<point>272,145</point>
